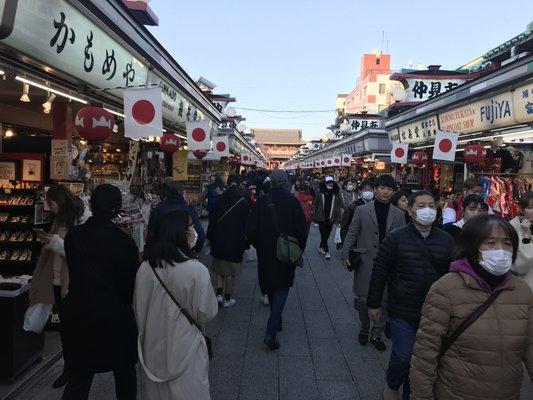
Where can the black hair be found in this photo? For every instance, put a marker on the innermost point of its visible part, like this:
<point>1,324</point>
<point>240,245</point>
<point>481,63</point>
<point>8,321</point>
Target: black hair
<point>471,183</point>
<point>170,240</point>
<point>418,194</point>
<point>474,199</point>
<point>477,230</point>
<point>397,196</point>
<point>70,207</point>
<point>106,201</point>
<point>525,200</point>
<point>387,181</point>
<point>367,182</point>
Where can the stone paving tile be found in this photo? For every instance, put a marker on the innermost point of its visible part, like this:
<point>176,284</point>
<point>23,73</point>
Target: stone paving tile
<point>259,389</point>
<point>338,390</point>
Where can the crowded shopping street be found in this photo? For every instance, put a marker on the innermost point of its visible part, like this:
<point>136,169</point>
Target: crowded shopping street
<point>223,201</point>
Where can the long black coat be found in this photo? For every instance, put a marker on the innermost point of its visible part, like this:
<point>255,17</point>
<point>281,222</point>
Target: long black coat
<point>227,233</point>
<point>262,234</point>
<point>402,265</point>
<point>99,328</point>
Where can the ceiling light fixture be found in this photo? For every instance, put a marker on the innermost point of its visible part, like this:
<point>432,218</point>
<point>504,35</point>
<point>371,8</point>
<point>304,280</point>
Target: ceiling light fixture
<point>25,98</point>
<point>51,90</point>
<point>47,105</point>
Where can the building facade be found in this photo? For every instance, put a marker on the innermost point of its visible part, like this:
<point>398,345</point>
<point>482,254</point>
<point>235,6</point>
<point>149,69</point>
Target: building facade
<point>278,145</point>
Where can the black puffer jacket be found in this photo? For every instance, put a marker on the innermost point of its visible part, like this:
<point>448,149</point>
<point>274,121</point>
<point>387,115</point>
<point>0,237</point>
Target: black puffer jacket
<point>404,266</point>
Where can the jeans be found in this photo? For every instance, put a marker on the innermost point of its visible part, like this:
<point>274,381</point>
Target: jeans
<point>378,326</point>
<point>79,385</point>
<point>325,231</point>
<point>277,301</point>
<point>403,335</point>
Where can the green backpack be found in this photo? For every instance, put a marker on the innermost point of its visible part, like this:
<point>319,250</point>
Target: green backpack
<point>288,250</point>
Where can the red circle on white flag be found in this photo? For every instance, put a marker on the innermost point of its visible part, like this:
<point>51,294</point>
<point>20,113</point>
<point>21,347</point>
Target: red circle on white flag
<point>198,135</point>
<point>399,152</point>
<point>143,112</point>
<point>337,161</point>
<point>221,146</point>
<point>445,145</point>
<point>346,159</point>
<point>245,158</point>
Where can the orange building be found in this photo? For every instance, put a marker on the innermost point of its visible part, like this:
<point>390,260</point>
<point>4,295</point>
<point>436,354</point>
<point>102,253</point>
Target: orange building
<point>372,90</point>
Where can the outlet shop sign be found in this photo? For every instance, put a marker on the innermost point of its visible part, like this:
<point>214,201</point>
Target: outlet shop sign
<point>65,39</point>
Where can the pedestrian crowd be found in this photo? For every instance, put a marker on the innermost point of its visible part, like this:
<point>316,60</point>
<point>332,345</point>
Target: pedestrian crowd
<point>449,284</point>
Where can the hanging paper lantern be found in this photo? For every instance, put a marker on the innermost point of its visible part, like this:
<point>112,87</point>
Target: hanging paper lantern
<point>475,154</point>
<point>94,123</point>
<point>420,158</point>
<point>199,154</point>
<point>169,143</point>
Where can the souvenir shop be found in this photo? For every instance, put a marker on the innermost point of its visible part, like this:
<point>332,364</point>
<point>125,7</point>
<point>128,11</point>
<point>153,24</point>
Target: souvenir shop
<point>61,120</point>
<point>493,115</point>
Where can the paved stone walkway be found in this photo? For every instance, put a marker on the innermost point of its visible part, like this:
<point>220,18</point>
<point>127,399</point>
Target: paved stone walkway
<point>319,357</point>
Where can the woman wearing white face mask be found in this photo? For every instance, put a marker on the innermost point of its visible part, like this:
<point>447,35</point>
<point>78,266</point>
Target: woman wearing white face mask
<point>348,193</point>
<point>483,359</point>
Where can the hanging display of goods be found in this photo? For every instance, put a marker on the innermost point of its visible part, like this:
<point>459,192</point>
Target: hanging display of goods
<point>199,154</point>
<point>475,154</point>
<point>359,163</point>
<point>420,158</point>
<point>169,143</point>
<point>94,123</point>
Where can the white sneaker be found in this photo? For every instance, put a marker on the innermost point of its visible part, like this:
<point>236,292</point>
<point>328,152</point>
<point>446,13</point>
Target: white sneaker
<point>328,257</point>
<point>321,251</point>
<point>264,300</point>
<point>229,303</point>
<point>315,224</point>
<point>220,298</point>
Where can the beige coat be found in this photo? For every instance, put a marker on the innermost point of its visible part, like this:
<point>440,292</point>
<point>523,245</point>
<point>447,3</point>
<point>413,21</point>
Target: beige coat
<point>173,352</point>
<point>485,363</point>
<point>523,266</point>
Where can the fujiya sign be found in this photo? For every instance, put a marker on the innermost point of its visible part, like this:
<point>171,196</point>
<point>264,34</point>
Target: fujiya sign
<point>426,89</point>
<point>62,37</point>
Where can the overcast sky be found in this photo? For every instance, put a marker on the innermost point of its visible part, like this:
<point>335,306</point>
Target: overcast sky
<point>297,55</point>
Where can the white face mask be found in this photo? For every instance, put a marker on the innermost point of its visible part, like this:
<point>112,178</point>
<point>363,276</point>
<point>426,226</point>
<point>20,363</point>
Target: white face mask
<point>426,216</point>
<point>367,196</point>
<point>192,236</point>
<point>349,188</point>
<point>496,262</point>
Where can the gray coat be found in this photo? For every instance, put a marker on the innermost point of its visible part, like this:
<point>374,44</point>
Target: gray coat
<point>363,237</point>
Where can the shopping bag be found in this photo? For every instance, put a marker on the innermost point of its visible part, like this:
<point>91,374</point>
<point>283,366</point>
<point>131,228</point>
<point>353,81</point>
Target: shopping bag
<point>338,239</point>
<point>36,317</point>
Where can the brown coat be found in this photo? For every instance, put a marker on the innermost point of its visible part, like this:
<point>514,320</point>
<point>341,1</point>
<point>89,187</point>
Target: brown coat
<point>485,363</point>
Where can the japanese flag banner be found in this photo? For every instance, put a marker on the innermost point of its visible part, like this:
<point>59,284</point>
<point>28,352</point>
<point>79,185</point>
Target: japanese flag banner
<point>399,152</point>
<point>199,135</point>
<point>246,159</point>
<point>221,146</point>
<point>445,146</point>
<point>337,161</point>
<point>346,160</point>
<point>329,162</point>
<point>142,112</point>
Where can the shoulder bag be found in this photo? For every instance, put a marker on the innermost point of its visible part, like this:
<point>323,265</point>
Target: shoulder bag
<point>229,209</point>
<point>187,315</point>
<point>448,340</point>
<point>288,250</point>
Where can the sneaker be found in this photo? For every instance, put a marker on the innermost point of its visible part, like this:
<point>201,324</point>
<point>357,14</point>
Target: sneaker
<point>328,257</point>
<point>229,303</point>
<point>315,225</point>
<point>220,298</point>
<point>390,394</point>
<point>321,251</point>
<point>264,300</point>
<point>363,338</point>
<point>271,342</point>
<point>378,344</point>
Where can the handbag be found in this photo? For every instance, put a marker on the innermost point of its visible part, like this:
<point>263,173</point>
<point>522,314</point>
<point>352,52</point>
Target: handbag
<point>187,315</point>
<point>448,340</point>
<point>288,250</point>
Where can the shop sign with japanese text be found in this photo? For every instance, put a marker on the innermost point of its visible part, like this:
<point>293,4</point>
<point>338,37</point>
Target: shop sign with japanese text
<point>523,103</point>
<point>426,89</point>
<point>490,113</point>
<point>358,124</point>
<point>57,34</point>
<point>420,131</point>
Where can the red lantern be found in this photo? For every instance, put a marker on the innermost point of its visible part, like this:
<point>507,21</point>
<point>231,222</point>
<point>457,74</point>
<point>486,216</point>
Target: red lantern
<point>94,123</point>
<point>169,143</point>
<point>199,154</point>
<point>420,158</point>
<point>475,154</point>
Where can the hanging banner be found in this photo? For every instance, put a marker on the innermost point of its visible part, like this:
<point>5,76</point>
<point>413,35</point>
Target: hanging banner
<point>246,159</point>
<point>221,146</point>
<point>336,161</point>
<point>445,146</point>
<point>398,154</point>
<point>180,165</point>
<point>198,135</point>
<point>142,112</point>
<point>346,160</point>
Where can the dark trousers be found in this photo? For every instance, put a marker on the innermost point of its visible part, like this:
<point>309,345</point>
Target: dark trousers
<point>59,304</point>
<point>277,300</point>
<point>79,385</point>
<point>403,335</point>
<point>325,230</point>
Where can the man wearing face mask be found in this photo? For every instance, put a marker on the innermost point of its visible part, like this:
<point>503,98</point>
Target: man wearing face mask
<point>367,189</point>
<point>370,225</point>
<point>408,262</point>
<point>327,211</point>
